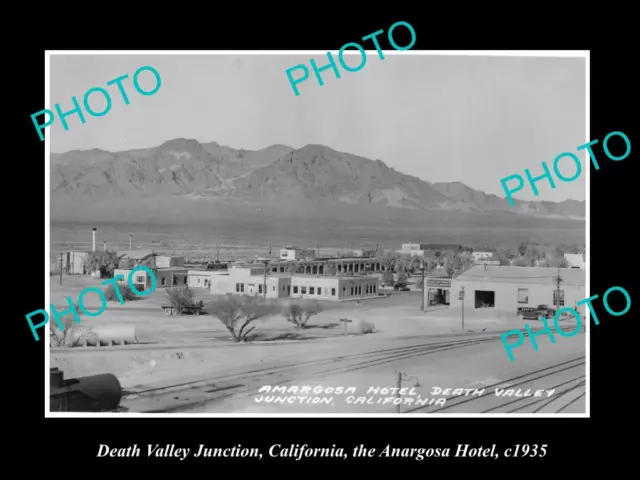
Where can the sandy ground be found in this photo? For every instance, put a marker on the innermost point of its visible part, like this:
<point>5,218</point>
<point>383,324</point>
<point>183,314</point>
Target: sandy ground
<point>189,348</point>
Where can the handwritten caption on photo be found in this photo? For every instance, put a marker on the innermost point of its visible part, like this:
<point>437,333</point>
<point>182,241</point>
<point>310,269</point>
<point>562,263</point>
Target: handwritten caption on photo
<point>107,101</point>
<point>547,173</point>
<point>547,329</point>
<point>299,452</point>
<point>363,60</point>
<point>376,395</point>
<point>73,309</point>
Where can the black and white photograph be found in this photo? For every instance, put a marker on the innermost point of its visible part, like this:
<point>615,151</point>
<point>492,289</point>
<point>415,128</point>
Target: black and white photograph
<point>225,241</point>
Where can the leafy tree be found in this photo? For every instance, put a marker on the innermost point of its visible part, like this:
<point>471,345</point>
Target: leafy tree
<point>467,259</point>
<point>555,262</point>
<point>522,248</point>
<point>180,297</point>
<point>299,314</point>
<point>387,278</point>
<point>238,313</point>
<point>130,263</point>
<point>388,261</point>
<point>415,263</point>
<point>504,260</point>
<point>104,262</point>
<point>401,265</point>
<point>522,261</point>
<point>402,278</point>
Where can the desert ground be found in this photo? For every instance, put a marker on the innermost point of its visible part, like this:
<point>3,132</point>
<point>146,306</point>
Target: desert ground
<point>189,363</point>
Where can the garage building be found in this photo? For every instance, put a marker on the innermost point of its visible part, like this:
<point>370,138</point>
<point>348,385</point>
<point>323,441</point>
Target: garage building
<point>507,288</point>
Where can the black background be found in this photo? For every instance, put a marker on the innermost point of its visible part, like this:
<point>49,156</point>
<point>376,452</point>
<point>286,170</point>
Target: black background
<point>69,446</point>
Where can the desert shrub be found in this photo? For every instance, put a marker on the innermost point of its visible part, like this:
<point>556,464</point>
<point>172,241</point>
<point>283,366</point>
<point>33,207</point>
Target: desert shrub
<point>300,313</point>
<point>366,327</point>
<point>180,296</point>
<point>125,291</point>
<point>238,313</point>
<point>63,338</point>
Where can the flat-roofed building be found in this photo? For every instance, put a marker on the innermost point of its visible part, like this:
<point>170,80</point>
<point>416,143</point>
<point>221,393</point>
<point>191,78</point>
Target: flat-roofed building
<point>295,253</point>
<point>483,255</point>
<point>250,280</point>
<point>165,277</point>
<point>74,263</point>
<point>202,278</point>
<point>575,260</point>
<point>169,261</point>
<point>507,288</point>
<point>335,288</point>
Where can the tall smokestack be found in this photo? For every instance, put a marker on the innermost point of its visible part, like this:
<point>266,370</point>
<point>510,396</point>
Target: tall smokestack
<point>94,239</point>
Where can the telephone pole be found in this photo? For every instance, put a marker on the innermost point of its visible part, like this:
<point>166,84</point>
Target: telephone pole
<point>399,386</point>
<point>265,261</point>
<point>217,253</point>
<point>422,303</point>
<point>61,268</point>
<point>462,299</point>
<point>558,280</point>
<point>129,243</point>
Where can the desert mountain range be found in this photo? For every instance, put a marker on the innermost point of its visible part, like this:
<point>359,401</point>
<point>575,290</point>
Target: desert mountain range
<point>192,170</point>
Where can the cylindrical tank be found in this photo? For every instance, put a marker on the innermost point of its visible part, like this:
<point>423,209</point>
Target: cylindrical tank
<point>115,333</point>
<point>96,393</point>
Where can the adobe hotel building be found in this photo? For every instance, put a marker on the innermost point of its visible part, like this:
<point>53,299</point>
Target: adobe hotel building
<point>507,288</point>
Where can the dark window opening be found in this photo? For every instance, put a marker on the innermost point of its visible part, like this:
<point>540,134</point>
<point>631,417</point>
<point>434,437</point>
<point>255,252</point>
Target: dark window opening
<point>485,299</point>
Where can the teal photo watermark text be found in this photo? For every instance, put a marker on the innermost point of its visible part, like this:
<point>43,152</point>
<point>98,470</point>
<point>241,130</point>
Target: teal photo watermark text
<point>103,301</point>
<point>564,310</point>
<point>304,70</point>
<point>569,162</point>
<point>101,101</point>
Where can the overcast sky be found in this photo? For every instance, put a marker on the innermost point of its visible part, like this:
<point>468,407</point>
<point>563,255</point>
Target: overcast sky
<point>441,118</point>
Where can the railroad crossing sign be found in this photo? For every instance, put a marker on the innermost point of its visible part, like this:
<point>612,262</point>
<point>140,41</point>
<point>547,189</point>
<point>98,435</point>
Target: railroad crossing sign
<point>345,321</point>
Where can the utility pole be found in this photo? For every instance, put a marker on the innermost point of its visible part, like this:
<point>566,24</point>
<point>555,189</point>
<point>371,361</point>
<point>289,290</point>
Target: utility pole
<point>129,242</point>
<point>462,299</point>
<point>217,253</point>
<point>318,251</point>
<point>269,249</point>
<point>61,253</point>
<point>558,280</point>
<point>399,385</point>
<point>264,285</point>
<point>423,289</point>
<point>400,377</point>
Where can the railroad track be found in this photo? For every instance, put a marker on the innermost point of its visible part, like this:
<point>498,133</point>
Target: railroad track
<point>180,396</point>
<point>567,392</point>
<point>187,395</point>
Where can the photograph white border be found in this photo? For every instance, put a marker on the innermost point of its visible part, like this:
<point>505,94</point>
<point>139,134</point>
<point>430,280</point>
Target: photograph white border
<point>512,53</point>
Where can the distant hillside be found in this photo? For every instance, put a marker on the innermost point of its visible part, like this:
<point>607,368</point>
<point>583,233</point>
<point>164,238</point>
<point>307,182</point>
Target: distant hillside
<point>186,170</point>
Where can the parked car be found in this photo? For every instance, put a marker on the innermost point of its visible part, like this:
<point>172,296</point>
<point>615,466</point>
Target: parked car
<point>536,313</point>
<point>401,287</point>
<point>195,309</point>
